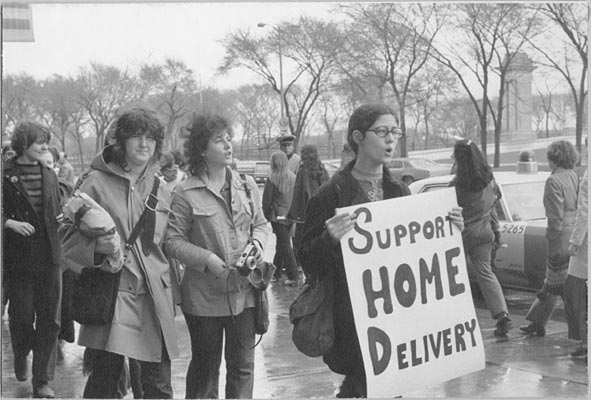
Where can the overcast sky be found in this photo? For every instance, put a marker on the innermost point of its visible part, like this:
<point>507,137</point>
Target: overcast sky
<point>68,36</point>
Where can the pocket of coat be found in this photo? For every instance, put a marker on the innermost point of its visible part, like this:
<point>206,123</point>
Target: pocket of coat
<point>130,283</point>
<point>207,220</point>
<point>166,280</point>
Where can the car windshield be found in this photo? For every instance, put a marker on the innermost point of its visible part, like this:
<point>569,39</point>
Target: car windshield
<point>423,163</point>
<point>525,200</point>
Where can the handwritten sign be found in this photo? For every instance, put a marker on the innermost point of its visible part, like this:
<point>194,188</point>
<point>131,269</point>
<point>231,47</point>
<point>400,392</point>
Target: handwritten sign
<point>411,298</point>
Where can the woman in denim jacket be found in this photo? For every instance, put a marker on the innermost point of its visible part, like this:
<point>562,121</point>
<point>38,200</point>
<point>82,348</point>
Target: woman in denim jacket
<point>213,212</point>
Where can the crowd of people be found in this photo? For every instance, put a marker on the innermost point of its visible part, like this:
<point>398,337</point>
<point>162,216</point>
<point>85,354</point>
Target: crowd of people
<point>203,215</point>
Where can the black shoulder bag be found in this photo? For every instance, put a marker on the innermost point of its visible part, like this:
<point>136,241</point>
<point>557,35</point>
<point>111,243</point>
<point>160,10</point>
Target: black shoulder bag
<point>95,291</point>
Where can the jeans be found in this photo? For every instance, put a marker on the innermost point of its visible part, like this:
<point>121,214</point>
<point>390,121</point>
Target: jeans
<point>487,280</point>
<point>34,312</point>
<point>284,257</point>
<point>207,335</point>
<point>107,369</point>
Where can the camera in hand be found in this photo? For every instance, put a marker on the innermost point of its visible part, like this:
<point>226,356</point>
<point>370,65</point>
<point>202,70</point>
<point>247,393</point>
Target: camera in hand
<point>247,261</point>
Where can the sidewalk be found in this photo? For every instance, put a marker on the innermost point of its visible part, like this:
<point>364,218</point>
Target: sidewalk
<point>518,366</point>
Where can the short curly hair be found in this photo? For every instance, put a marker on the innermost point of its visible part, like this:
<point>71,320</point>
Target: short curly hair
<point>562,153</point>
<point>129,124</point>
<point>26,133</point>
<point>202,128</point>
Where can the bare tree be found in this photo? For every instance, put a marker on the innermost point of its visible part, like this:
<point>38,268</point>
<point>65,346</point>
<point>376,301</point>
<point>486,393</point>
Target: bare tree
<point>394,42</point>
<point>106,90</point>
<point>310,47</point>
<point>170,86</point>
<point>490,37</point>
<point>18,94</point>
<point>572,60</point>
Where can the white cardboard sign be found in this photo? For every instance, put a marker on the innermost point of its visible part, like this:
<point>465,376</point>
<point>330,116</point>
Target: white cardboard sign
<point>411,298</point>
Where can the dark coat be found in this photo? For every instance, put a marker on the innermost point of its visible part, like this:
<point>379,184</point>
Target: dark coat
<point>305,188</point>
<point>320,256</point>
<point>18,252</point>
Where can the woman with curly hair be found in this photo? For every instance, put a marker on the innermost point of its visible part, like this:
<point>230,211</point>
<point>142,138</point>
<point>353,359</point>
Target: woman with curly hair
<point>476,193</point>
<point>215,213</point>
<point>311,175</point>
<point>560,202</point>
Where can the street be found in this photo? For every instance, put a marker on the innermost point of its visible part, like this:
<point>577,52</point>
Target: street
<point>516,367</point>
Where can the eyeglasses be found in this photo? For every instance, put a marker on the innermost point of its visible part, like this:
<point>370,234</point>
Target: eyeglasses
<point>382,131</point>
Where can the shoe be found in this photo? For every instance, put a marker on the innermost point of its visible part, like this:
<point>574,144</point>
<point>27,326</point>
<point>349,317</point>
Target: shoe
<point>43,392</point>
<point>504,325</point>
<point>290,282</point>
<point>581,352</point>
<point>20,368</point>
<point>533,329</point>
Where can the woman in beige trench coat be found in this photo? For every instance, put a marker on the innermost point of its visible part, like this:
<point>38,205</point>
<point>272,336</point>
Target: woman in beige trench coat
<point>143,323</point>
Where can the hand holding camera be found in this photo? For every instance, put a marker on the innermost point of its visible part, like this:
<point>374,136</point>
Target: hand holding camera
<point>108,244</point>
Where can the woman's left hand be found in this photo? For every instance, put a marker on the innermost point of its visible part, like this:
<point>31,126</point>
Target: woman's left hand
<point>456,217</point>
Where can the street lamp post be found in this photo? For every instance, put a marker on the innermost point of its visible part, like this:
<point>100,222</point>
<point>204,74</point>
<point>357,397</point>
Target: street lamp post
<point>262,25</point>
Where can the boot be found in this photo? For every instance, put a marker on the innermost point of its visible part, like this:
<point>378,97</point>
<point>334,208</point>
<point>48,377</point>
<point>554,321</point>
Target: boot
<point>533,329</point>
<point>43,392</point>
<point>504,324</point>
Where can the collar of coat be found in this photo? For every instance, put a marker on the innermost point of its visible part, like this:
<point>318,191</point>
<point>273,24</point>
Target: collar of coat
<point>348,187</point>
<point>103,162</point>
<point>201,181</point>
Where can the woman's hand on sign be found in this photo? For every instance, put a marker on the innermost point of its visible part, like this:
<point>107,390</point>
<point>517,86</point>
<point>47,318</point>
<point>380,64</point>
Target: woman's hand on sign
<point>456,217</point>
<point>108,244</point>
<point>340,224</point>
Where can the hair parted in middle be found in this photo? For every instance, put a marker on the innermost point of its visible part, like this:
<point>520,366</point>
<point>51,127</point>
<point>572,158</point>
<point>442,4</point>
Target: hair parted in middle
<point>472,170</point>
<point>311,162</point>
<point>202,128</point>
<point>137,121</point>
<point>280,175</point>
<point>363,118</point>
<point>562,153</point>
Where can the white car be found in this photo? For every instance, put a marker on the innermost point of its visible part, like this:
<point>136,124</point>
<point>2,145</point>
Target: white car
<point>522,264</point>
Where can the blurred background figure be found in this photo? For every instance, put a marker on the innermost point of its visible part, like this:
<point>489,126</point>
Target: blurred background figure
<point>169,170</point>
<point>277,196</point>
<point>286,145</point>
<point>477,194</point>
<point>66,170</point>
<point>560,203</point>
<point>310,177</point>
<point>576,286</point>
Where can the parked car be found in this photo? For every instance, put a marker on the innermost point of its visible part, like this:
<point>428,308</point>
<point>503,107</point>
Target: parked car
<point>522,264</point>
<point>259,170</point>
<point>413,169</point>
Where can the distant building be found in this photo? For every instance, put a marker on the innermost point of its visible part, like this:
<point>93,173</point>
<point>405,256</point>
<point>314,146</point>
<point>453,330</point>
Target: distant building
<point>17,23</point>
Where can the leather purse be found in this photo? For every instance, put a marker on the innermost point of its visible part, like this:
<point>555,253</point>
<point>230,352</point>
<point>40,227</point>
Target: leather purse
<point>312,317</point>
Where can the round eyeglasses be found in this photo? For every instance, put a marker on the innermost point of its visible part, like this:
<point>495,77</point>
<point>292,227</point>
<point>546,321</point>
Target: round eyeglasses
<point>382,131</point>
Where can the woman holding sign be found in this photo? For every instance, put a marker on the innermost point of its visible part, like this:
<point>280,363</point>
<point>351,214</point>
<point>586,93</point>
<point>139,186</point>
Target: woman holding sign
<point>476,191</point>
<point>373,134</point>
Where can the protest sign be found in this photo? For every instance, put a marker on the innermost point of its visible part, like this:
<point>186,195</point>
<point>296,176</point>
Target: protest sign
<point>410,292</point>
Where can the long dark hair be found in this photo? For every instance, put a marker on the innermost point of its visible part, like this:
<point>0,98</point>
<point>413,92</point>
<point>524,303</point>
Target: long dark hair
<point>131,123</point>
<point>472,170</point>
<point>202,128</point>
<point>311,162</point>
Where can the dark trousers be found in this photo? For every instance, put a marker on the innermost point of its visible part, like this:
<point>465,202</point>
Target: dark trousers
<point>107,368</point>
<point>206,354</point>
<point>284,257</point>
<point>34,312</point>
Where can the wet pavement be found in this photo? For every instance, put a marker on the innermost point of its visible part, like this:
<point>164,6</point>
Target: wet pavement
<point>519,366</point>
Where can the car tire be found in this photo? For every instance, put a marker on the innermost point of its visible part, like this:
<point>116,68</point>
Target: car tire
<point>408,179</point>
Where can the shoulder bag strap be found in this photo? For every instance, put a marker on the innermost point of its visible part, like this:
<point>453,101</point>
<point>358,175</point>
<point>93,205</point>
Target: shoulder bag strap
<point>147,221</point>
<point>249,195</point>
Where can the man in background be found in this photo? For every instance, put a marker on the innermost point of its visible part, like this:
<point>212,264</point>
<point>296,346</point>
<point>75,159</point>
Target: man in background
<point>66,171</point>
<point>287,146</point>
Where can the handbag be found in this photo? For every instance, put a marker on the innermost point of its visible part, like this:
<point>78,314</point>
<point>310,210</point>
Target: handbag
<point>312,317</point>
<point>261,322</point>
<point>95,291</point>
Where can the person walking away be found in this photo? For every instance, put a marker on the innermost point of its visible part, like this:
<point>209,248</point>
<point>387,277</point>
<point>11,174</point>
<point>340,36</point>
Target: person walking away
<point>373,134</point>
<point>560,203</point>
<point>66,170</point>
<point>576,287</point>
<point>286,145</point>
<point>32,255</point>
<point>310,177</point>
<point>476,194</point>
<point>214,212</point>
<point>120,180</point>
<point>277,196</point>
